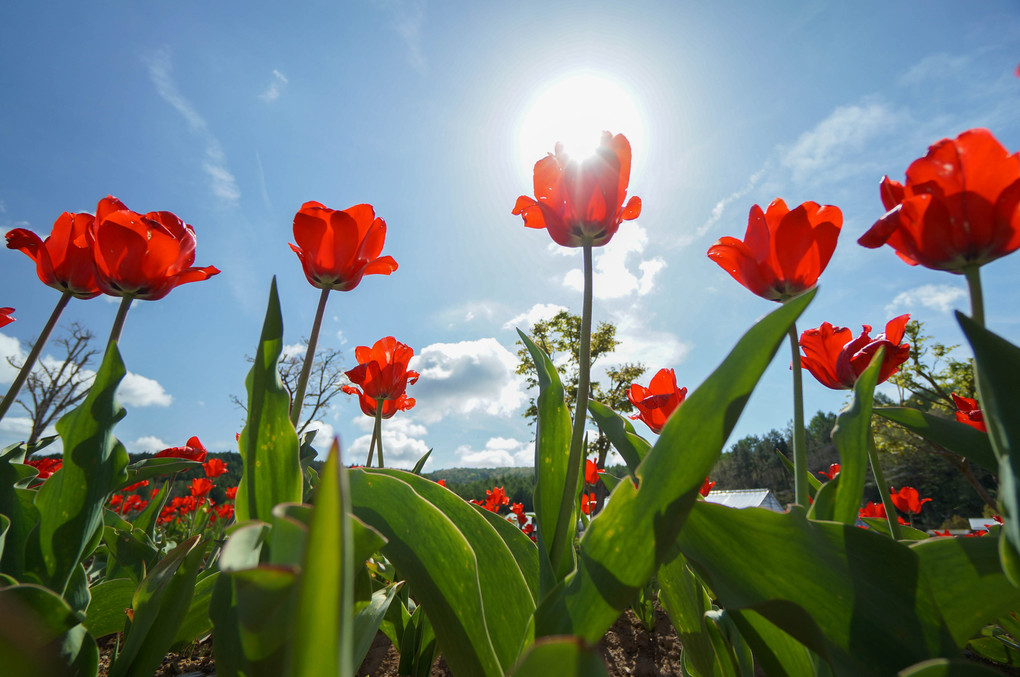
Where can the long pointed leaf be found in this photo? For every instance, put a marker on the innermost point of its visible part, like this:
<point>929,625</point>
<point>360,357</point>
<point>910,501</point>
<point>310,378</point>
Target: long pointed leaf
<point>957,437</point>
<point>636,530</point>
<point>268,443</point>
<point>852,437</point>
<point>632,447</point>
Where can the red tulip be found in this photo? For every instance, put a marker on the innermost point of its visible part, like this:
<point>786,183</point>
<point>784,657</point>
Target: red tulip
<point>942,533</point>
<point>200,486</point>
<point>783,251</point>
<point>591,472</point>
<point>656,402</point>
<point>226,510</point>
<point>706,487</point>
<point>339,247</point>
<point>214,467</point>
<point>142,257</point>
<point>588,503</point>
<point>832,472</point>
<point>46,466</point>
<point>908,500</point>
<point>383,376</point>
<point>5,316</point>
<point>967,411</point>
<point>837,359</point>
<point>494,499</point>
<point>231,493</point>
<point>192,451</point>
<point>959,208</point>
<point>579,202</point>
<point>64,259</point>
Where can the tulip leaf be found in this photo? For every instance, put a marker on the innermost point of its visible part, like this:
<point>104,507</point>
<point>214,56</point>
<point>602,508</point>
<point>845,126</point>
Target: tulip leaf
<point>998,372</point>
<point>563,657</point>
<point>160,604</point>
<point>552,455</point>
<point>856,598</point>
<point>323,637</point>
<point>71,502</point>
<point>632,447</point>
<point>42,635</point>
<point>196,623</point>
<point>957,437</point>
<point>18,505</point>
<point>368,617</point>
<point>815,483</point>
<point>105,614</point>
<point>945,667</point>
<point>521,547</point>
<point>156,467</point>
<point>268,443</point>
<point>852,437</point>
<point>421,462</point>
<point>463,574</point>
<point>776,651</point>
<point>967,581</point>
<point>685,600</point>
<point>635,532</point>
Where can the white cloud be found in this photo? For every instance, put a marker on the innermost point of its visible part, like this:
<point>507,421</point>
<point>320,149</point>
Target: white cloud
<point>275,88</point>
<point>537,313</point>
<point>10,347</point>
<point>469,377</point>
<point>399,449</point>
<point>935,67</point>
<point>293,350</point>
<point>222,182</point>
<point>613,278</point>
<point>140,391</point>
<point>824,150</point>
<point>499,452</point>
<point>402,423</point>
<point>408,18</point>
<point>720,206</point>
<point>148,443</point>
<point>639,343</point>
<point>941,297</point>
<point>19,426</point>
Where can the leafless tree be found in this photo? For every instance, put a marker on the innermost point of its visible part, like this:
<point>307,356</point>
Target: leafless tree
<point>324,381</point>
<point>54,386</point>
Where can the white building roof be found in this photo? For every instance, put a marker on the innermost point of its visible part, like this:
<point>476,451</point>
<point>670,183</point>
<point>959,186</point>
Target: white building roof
<point>745,498</point>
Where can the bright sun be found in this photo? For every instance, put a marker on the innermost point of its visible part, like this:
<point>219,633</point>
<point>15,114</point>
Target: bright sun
<point>574,111</point>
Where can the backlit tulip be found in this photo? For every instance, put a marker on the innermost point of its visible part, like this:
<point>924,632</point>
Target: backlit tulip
<point>837,359</point>
<point>192,451</point>
<point>706,487</point>
<point>783,251</point>
<point>64,259</point>
<point>579,202</point>
<point>591,472</point>
<point>968,411</point>
<point>383,376</point>
<point>908,500</point>
<point>339,247</point>
<point>588,503</point>
<point>47,465</point>
<point>142,256</point>
<point>5,316</point>
<point>200,486</point>
<point>656,402</point>
<point>831,472</point>
<point>959,207</point>
<point>214,467</point>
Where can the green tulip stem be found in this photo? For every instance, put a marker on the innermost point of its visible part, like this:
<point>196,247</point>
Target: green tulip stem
<point>377,431</point>
<point>306,368</point>
<point>977,299</point>
<point>800,469</point>
<point>883,489</point>
<point>576,458</point>
<point>34,354</point>
<point>118,322</point>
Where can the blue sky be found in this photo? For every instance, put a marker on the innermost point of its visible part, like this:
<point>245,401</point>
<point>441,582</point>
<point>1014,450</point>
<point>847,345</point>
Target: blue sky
<point>233,115</point>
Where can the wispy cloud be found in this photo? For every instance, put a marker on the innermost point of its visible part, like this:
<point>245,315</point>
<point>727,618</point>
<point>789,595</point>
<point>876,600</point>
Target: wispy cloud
<point>537,313</point>
<point>214,164</point>
<point>275,87</point>
<point>722,204</point>
<point>940,297</point>
<point>408,18</point>
<point>615,273</point>
<point>499,452</point>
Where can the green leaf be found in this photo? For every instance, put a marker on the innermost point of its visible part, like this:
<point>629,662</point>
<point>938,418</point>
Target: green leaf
<point>160,604</point>
<point>635,532</point>
<point>733,657</point>
<point>685,600</point>
<point>131,552</point>
<point>421,462</point>
<point>262,613</point>
<point>945,667</point>
<point>71,502</point>
<point>196,622</point>
<point>145,521</point>
<point>957,437</point>
<point>852,437</point>
<point>856,598</point>
<point>268,442</point>
<point>563,657</point>
<point>105,614</point>
<point>323,637</point>
<point>967,581</point>
<point>155,467</point>
<point>552,455</point>
<point>998,372</point>
<point>369,617</point>
<point>632,447</point>
<point>18,505</point>
<point>779,654</point>
<point>461,571</point>
<point>815,483</point>
<point>43,635</point>
<point>521,547</point>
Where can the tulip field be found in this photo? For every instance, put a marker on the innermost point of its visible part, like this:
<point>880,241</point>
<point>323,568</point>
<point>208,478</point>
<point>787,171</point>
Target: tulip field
<point>295,571</point>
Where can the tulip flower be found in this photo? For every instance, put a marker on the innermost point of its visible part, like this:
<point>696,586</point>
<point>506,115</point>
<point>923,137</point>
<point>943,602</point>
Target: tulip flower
<point>783,251</point>
<point>967,411</point>
<point>591,472</point>
<point>837,359</point>
<point>656,402</point>
<point>908,500</point>
<point>214,467</point>
<point>831,472</point>
<point>64,259</point>
<point>383,376</point>
<point>192,451</point>
<point>581,202</point>
<point>5,316</point>
<point>958,210</point>
<point>339,247</point>
<point>200,486</point>
<point>494,499</point>
<point>46,466</point>
<point>706,487</point>
<point>588,503</point>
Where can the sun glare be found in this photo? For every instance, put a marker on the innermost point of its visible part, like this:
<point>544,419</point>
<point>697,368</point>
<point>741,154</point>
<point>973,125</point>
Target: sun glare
<point>574,111</point>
